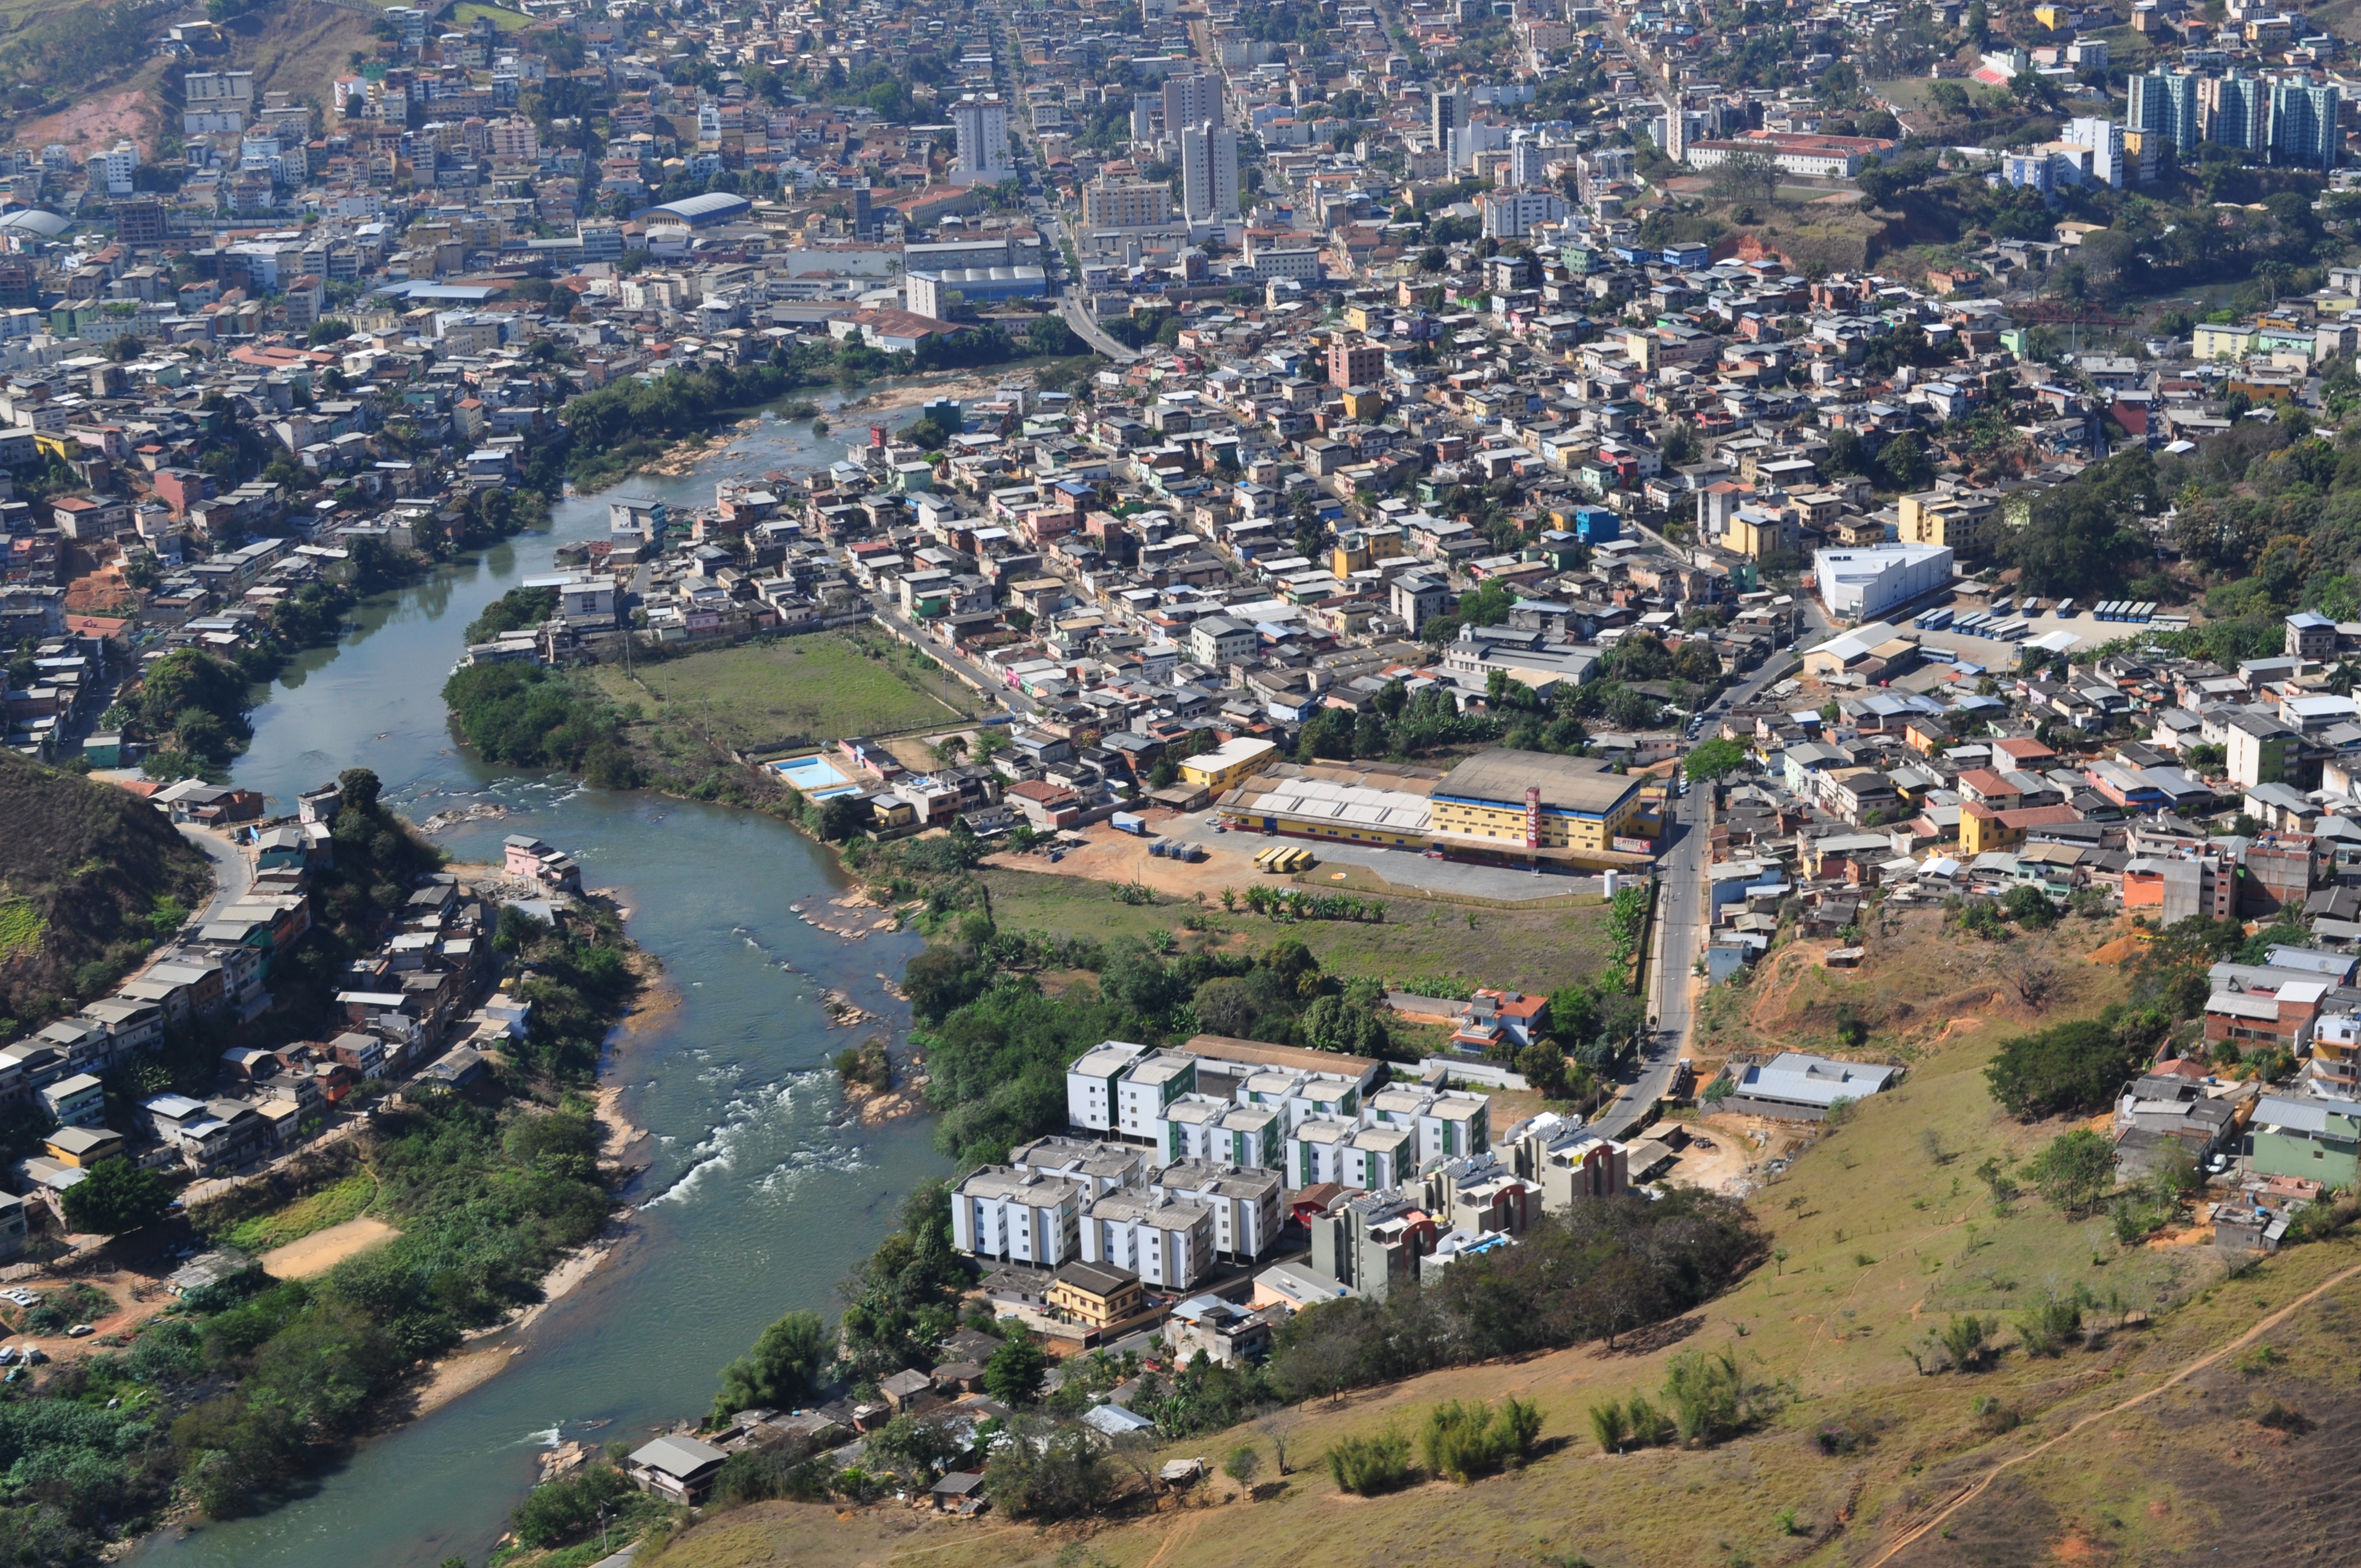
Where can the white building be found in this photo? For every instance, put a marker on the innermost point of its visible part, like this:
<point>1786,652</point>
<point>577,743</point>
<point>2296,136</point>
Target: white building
<point>1019,1216</point>
<point>2105,141</point>
<point>1146,1087</point>
<point>1866,582</point>
<point>982,125</point>
<point>1512,215</point>
<point>1218,1132</point>
<point>1090,1085</point>
<point>1245,1203</point>
<point>1167,1240</point>
<point>1209,172</point>
<point>1100,1167</point>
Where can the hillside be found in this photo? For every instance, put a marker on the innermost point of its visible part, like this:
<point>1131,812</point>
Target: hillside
<point>1883,1232</point>
<point>90,879</point>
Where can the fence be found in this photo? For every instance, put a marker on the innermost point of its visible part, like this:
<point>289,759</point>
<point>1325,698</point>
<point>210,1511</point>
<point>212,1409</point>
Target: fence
<point>1457,1069</point>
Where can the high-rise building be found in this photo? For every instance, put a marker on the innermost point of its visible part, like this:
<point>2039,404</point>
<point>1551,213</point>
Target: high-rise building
<point>1190,101</point>
<point>1446,114</point>
<point>1355,363</point>
<point>864,217</point>
<point>2105,141</point>
<point>2166,104</point>
<point>1209,172</point>
<point>1143,116</point>
<point>1125,204</point>
<point>982,128</point>
<point>2303,125</point>
<point>2233,111</point>
<point>1525,162</point>
<point>1676,129</point>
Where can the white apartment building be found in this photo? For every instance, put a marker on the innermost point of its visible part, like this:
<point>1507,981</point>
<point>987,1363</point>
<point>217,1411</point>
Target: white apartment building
<point>982,125</point>
<point>1091,1083</point>
<point>1100,1166</point>
<point>1167,1240</point>
<point>1206,1127</point>
<point>1247,1217</point>
<point>1019,1216</point>
<point>1146,1088</point>
<point>1209,172</point>
<point>1125,203</point>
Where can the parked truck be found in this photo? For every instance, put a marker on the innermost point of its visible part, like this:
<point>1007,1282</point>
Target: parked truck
<point>1129,822</point>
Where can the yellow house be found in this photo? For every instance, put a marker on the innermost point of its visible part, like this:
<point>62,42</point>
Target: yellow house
<point>1754,533</point>
<point>2211,342</point>
<point>1573,807</point>
<point>1228,762</point>
<point>2054,17</point>
<point>1364,402</point>
<point>1094,1296</point>
<point>1361,318</point>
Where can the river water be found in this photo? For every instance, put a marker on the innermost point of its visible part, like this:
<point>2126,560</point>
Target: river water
<point>758,1199</point>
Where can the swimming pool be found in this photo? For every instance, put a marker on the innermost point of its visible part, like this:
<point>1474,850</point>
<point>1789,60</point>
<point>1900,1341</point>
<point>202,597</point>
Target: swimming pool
<point>816,776</point>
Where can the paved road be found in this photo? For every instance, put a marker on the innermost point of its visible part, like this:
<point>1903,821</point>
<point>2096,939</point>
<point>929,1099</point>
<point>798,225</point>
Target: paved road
<point>232,872</point>
<point>976,675</point>
<point>1074,306</point>
<point>1679,933</point>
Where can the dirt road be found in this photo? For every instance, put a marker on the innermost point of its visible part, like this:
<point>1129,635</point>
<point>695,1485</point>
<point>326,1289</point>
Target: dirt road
<point>323,1250</point>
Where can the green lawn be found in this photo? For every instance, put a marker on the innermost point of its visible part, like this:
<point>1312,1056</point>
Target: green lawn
<point>329,1206</point>
<point>796,691</point>
<point>504,19</point>
<point>1523,950</point>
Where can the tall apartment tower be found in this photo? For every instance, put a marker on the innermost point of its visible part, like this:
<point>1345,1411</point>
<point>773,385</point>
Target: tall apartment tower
<point>982,128</point>
<point>2304,131</point>
<point>2233,111</point>
<point>1190,101</point>
<point>2164,104</point>
<point>1209,172</point>
<point>1676,129</point>
<point>1447,113</point>
<point>1142,117</point>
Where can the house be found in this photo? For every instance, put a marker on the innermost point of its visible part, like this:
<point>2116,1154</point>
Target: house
<point>679,1467</point>
<point>1096,1297</point>
<point>1224,1332</point>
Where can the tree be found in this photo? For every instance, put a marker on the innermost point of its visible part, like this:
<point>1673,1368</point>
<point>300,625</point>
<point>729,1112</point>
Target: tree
<point>1013,1373</point>
<point>1716,759</point>
<point>2075,1171</point>
<point>779,1371</point>
<point>114,1198</point>
<point>1242,1463</point>
<point>2072,1069</point>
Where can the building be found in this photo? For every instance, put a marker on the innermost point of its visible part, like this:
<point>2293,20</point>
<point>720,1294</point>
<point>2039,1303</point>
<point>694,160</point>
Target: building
<point>1287,800</point>
<point>1447,113</point>
<point>698,212</point>
<point>1356,363</point>
<point>2235,111</point>
<point>1168,1241</point>
<point>1217,641</point>
<point>1801,1087</point>
<point>2164,104</point>
<point>2258,748</point>
<point>2316,1139</point>
<point>680,1468</point>
<point>1247,1217</point>
<point>1146,1088</point>
<point>1019,1216</point>
<point>1125,203</point>
<point>938,294</point>
<point>1867,582</point>
<point>1513,215</point>
<point>1529,806</point>
<point>2304,128</point>
<point>982,127</point>
<point>1217,770</point>
<point>1209,172</point>
<point>1191,100</point>
<point>2105,141</point>
<point>1371,1242</point>
<point>2310,636</point>
<point>1091,1084</point>
<point>1096,1298</point>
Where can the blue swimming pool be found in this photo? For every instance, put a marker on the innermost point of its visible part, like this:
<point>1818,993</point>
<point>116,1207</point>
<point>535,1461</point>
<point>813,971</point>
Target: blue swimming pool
<point>816,776</point>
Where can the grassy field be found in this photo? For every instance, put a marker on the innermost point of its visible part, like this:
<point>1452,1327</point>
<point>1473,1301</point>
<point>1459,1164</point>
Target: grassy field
<point>1880,1234</point>
<point>797,691</point>
<point>1518,949</point>
<point>506,20</point>
<point>329,1206</point>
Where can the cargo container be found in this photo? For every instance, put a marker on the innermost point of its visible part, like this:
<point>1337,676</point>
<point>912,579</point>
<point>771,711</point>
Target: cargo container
<point>1129,822</point>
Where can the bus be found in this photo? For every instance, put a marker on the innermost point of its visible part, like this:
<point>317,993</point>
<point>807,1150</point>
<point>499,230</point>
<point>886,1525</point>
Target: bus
<point>2065,611</point>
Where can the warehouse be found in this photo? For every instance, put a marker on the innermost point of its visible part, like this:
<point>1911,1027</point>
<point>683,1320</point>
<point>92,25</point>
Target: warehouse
<point>698,212</point>
<point>1529,808</point>
<point>1324,802</point>
<point>1860,584</point>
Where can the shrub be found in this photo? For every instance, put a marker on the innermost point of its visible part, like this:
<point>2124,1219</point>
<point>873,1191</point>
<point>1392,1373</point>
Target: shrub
<point>1469,1442</point>
<point>2046,1328</point>
<point>1242,1463</point>
<point>1706,1394</point>
<point>1610,1427</point>
<point>1369,1465</point>
<point>1964,1341</point>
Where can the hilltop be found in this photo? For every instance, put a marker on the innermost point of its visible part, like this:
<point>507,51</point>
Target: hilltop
<point>90,879</point>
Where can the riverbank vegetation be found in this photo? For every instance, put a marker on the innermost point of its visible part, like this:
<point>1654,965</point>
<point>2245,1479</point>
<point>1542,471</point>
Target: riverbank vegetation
<point>529,716</point>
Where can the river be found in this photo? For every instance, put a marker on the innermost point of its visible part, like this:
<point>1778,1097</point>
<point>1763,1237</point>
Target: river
<point>758,1199</point>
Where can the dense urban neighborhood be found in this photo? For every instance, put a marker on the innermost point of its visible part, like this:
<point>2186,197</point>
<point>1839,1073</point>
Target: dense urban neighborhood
<point>1567,750</point>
